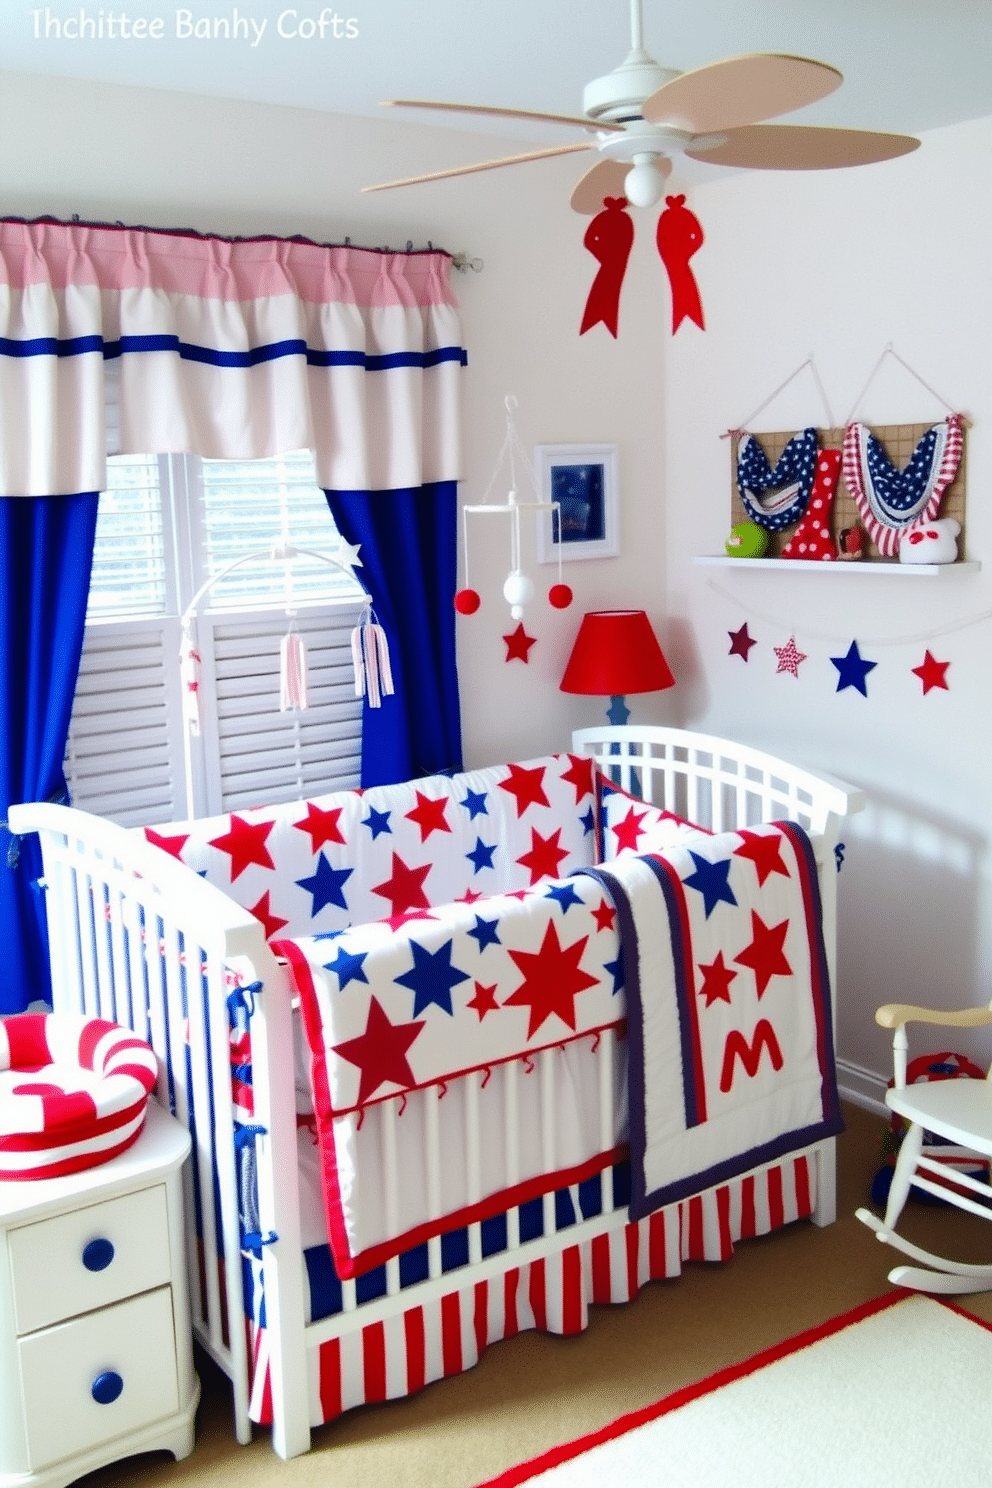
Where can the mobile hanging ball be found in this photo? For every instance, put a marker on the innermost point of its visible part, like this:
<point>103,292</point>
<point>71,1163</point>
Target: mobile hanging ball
<point>467,601</point>
<point>560,596</point>
<point>517,591</point>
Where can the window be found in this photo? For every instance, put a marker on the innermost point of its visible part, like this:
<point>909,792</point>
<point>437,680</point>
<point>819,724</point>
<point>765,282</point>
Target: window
<point>167,527</point>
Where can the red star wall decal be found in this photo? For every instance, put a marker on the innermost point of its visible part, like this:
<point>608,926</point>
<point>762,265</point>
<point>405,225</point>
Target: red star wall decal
<point>518,644</point>
<point>579,774</point>
<point>526,786</point>
<point>405,888</point>
<point>764,851</point>
<point>765,955</point>
<point>552,980</point>
<point>380,1052</point>
<point>173,845</point>
<point>629,831</point>
<point>429,815</point>
<point>271,923</point>
<point>716,981</point>
<point>932,673</point>
<point>790,658</point>
<point>605,916</point>
<point>245,841</point>
<point>545,855</point>
<point>740,642</point>
<point>484,1000</point>
<point>321,826</point>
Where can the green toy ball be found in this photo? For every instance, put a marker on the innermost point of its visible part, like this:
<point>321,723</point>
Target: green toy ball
<point>747,540</point>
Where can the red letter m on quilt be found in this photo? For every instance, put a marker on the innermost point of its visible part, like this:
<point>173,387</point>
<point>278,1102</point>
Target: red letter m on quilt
<point>749,1054</point>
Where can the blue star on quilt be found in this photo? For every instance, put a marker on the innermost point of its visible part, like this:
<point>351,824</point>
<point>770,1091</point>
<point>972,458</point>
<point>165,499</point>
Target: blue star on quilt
<point>475,804</point>
<point>615,968</point>
<point>377,822</point>
<point>432,977</point>
<point>481,855</point>
<point>326,886</point>
<point>588,822</point>
<point>710,879</point>
<point>565,895</point>
<point>486,932</point>
<point>347,967</point>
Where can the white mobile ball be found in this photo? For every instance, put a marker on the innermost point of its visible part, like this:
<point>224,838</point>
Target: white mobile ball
<point>517,591</point>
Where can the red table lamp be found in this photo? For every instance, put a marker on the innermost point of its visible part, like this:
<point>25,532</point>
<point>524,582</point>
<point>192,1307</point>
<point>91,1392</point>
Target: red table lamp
<point>616,652</point>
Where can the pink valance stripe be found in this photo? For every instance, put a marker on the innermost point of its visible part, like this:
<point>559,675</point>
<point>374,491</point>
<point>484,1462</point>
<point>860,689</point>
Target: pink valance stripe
<point>124,258</point>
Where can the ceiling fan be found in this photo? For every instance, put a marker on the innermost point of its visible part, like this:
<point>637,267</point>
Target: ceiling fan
<point>642,116</point>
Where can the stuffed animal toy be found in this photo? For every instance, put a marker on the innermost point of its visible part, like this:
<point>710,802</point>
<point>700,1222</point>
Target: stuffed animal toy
<point>931,542</point>
<point>747,540</point>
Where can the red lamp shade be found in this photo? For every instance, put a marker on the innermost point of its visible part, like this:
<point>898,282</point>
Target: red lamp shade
<point>616,652</point>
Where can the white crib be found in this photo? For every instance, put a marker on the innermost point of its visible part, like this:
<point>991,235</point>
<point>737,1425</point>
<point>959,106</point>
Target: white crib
<point>112,897</point>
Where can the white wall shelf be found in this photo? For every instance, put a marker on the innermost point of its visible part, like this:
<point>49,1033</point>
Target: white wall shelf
<point>881,569</point>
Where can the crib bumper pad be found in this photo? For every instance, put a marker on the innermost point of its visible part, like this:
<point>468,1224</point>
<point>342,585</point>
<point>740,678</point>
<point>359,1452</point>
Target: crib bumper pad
<point>73,1092</point>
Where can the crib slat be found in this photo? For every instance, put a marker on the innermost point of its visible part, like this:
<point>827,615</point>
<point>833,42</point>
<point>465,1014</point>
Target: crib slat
<point>547,1068</point>
<point>473,1160</point>
<point>386,1113</point>
<point>511,1136</point>
<point>432,1156</point>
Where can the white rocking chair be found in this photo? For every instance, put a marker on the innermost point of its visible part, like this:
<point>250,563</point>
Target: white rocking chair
<point>960,1112</point>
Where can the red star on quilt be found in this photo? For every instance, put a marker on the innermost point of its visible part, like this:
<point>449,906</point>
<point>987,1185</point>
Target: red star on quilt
<point>765,955</point>
<point>764,851</point>
<point>628,832</point>
<point>245,841</point>
<point>429,815</point>
<point>545,855</point>
<point>469,897</point>
<point>605,916</point>
<point>405,888</point>
<point>484,1000</point>
<point>380,1052</point>
<point>716,980</point>
<point>932,673</point>
<point>518,644</point>
<point>790,658</point>
<point>526,786</point>
<point>173,845</point>
<point>552,980</point>
<point>579,774</point>
<point>271,923</point>
<point>321,826</point>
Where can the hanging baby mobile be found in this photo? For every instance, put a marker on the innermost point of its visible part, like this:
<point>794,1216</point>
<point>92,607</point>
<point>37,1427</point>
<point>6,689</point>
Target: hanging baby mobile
<point>610,237</point>
<point>369,647</point>
<point>518,590</point>
<point>839,494</point>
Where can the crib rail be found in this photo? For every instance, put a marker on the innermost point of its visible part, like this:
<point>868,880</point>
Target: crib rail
<point>138,939</point>
<point>696,777</point>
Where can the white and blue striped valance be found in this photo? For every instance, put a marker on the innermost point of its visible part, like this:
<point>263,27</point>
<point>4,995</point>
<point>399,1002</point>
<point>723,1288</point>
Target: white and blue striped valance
<point>228,349</point>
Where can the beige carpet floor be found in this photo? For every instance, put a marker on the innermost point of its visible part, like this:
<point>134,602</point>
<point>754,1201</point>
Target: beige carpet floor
<point>532,1391</point>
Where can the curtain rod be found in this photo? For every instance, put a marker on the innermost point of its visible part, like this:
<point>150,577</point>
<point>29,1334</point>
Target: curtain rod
<point>461,261</point>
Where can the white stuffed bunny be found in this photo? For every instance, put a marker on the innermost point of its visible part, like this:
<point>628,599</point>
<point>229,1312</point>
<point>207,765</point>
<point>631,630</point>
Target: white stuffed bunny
<point>931,542</point>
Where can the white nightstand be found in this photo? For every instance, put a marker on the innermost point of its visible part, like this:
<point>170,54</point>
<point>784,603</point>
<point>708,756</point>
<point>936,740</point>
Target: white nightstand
<point>95,1343</point>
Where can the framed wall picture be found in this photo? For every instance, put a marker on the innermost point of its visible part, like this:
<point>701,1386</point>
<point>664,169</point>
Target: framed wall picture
<point>582,478</point>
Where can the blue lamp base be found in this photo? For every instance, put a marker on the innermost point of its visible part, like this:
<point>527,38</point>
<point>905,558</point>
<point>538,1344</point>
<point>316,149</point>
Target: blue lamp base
<point>617,712</point>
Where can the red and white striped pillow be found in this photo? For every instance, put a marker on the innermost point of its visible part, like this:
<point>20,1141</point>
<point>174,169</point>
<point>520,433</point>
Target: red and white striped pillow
<point>73,1092</point>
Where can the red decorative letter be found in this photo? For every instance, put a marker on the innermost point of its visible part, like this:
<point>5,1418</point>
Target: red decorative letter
<point>749,1053</point>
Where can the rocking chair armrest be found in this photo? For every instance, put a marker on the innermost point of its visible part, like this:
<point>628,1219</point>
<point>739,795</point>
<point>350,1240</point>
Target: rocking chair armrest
<point>895,1014</point>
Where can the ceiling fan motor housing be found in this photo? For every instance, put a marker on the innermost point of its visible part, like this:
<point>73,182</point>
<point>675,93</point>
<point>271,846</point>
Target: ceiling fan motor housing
<point>619,95</point>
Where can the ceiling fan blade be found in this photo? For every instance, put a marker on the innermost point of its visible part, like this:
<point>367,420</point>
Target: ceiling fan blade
<point>503,113</point>
<point>799,147</point>
<point>482,165</point>
<point>605,178</point>
<point>740,90</point>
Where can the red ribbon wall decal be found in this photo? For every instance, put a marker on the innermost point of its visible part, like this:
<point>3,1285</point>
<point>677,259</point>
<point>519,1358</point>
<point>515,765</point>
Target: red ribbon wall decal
<point>609,238</point>
<point>679,236</point>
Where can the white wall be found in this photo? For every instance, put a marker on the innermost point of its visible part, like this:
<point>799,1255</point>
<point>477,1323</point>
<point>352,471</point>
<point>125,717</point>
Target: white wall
<point>171,160</point>
<point>841,265</point>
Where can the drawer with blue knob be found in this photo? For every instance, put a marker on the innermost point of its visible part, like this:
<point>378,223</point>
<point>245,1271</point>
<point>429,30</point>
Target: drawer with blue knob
<point>98,1376</point>
<point>89,1257</point>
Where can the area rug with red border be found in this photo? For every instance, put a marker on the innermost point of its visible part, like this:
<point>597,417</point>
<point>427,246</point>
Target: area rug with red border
<point>895,1391</point>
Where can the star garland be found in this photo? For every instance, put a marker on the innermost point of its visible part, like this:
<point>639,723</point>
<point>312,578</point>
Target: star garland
<point>852,668</point>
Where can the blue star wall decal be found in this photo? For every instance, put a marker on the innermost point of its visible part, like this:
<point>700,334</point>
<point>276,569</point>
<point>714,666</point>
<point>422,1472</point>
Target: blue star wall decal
<point>432,977</point>
<point>486,932</point>
<point>565,895</point>
<point>481,855</point>
<point>475,804</point>
<point>711,881</point>
<point>852,669</point>
<point>326,886</point>
<point>347,968</point>
<point>377,822</point>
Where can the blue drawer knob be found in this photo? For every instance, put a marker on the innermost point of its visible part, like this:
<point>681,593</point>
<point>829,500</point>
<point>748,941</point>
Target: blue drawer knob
<point>97,1255</point>
<point>106,1387</point>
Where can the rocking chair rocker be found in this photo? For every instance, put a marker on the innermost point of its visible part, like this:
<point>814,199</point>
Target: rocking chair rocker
<point>960,1112</point>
